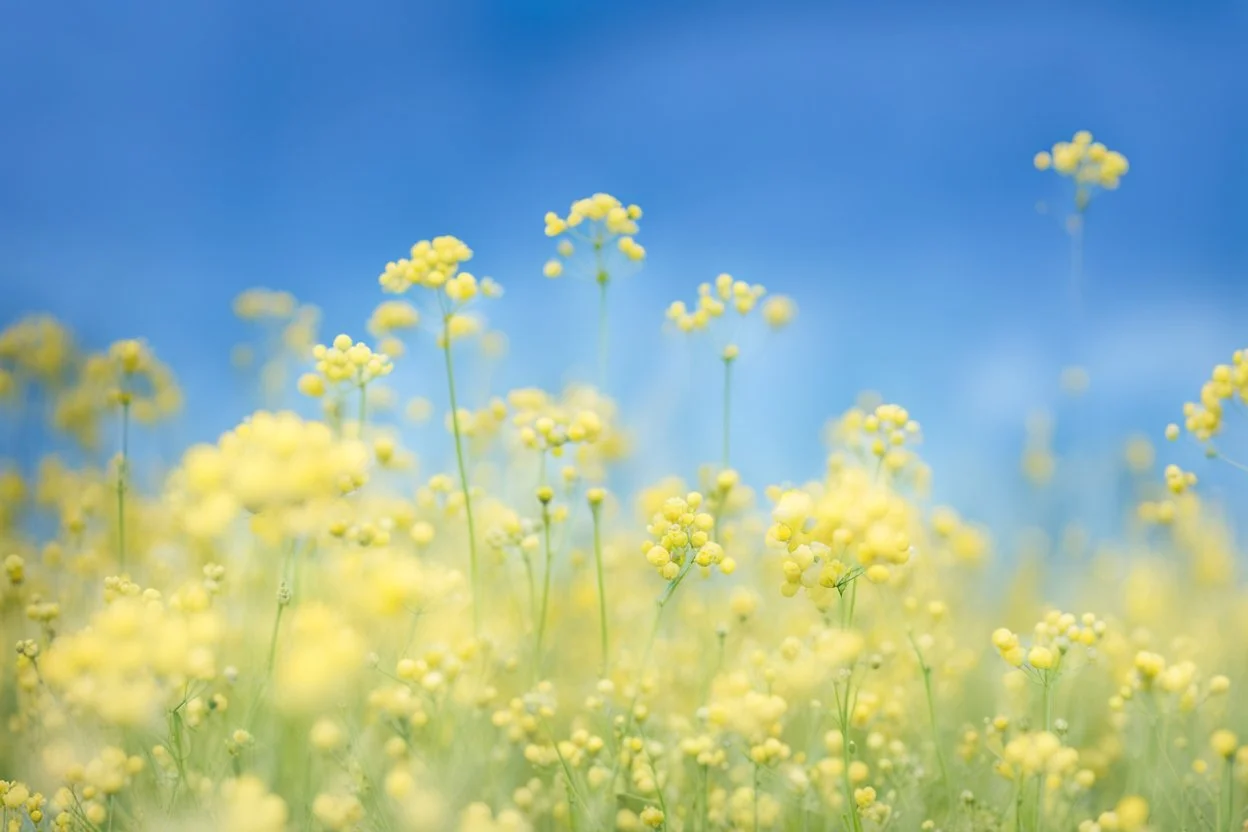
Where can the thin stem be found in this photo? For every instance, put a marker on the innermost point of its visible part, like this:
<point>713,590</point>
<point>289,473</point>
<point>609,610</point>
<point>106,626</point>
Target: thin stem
<point>284,597</point>
<point>1238,465</point>
<point>931,712</point>
<point>603,341</point>
<point>541,621</point>
<point>122,475</point>
<point>1039,814</point>
<point>595,512</point>
<point>1076,265</point>
<point>1228,791</point>
<point>277,626</point>
<point>528,569</point>
<point>1047,700</point>
<point>843,707</point>
<point>463,474</point>
<point>727,409</point>
<point>363,408</point>
<point>755,794</point>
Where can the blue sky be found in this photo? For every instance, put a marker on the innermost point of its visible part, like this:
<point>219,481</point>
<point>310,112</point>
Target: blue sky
<point>871,160</point>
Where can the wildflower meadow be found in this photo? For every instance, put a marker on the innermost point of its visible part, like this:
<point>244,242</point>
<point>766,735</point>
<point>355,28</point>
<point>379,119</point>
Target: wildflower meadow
<point>305,624</point>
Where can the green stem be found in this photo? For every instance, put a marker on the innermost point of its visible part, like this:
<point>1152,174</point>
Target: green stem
<point>1076,265</point>
<point>704,798</point>
<point>595,512</point>
<point>363,408</point>
<point>843,707</point>
<point>541,622</point>
<point>1228,791</point>
<point>528,569</point>
<point>668,592</point>
<point>727,408</point>
<point>277,626</point>
<point>122,474</point>
<point>755,794</point>
<point>179,758</point>
<point>1039,815</point>
<point>284,597</point>
<point>1047,699</point>
<point>603,279</point>
<point>931,712</point>
<point>463,475</point>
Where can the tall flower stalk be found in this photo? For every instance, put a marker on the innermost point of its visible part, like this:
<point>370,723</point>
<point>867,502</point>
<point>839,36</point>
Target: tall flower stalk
<point>600,222</point>
<point>435,265</point>
<point>464,486</point>
<point>595,497</point>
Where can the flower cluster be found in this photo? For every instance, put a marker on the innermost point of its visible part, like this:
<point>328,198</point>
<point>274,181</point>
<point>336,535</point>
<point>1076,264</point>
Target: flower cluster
<point>36,347</point>
<point>1054,636</point>
<point>548,425</point>
<point>714,300</point>
<point>595,222</point>
<point>680,536</point>
<point>1203,419</point>
<point>137,653</point>
<point>256,304</point>
<point>1090,164</point>
<point>344,363</point>
<point>277,466</point>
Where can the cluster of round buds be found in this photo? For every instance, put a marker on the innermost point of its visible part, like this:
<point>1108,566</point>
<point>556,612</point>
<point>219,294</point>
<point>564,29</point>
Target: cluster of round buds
<point>1203,418</point>
<point>271,461</point>
<point>38,346</point>
<point>870,808</point>
<point>853,517</point>
<point>597,221</point>
<point>1054,636</point>
<point>479,817</point>
<point>1178,480</point>
<point>16,797</point>
<point>713,301</point>
<point>1151,670</point>
<point>392,316</point>
<point>43,612</point>
<point>581,746</point>
<point>1224,743</point>
<point>965,542</point>
<point>255,304</point>
<point>131,375</point>
<point>1148,667</point>
<point>770,752</point>
<point>652,817</point>
<point>704,750</point>
<point>433,672</point>
<point>1089,163</point>
<point>15,569</point>
<point>344,362</point>
<point>885,432</point>
<point>679,533</point>
<point>829,571</point>
<point>1038,752</point>
<point>432,264</point>
<point>1130,815</point>
<point>514,532</point>
<point>546,425</point>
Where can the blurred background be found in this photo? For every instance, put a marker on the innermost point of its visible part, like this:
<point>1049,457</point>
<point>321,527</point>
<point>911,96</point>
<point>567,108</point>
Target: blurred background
<point>872,162</point>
